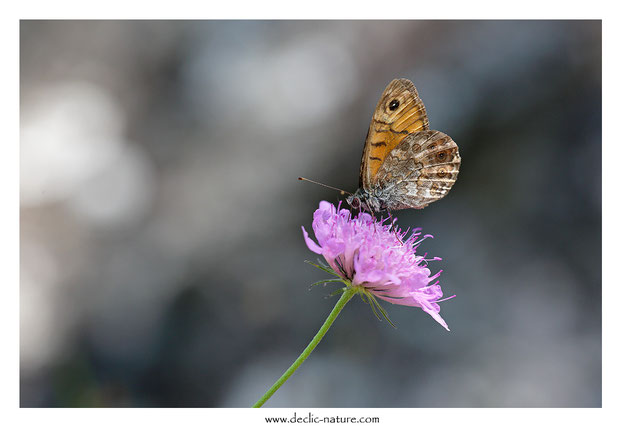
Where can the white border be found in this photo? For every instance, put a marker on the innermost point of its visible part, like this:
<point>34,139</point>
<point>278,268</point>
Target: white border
<point>292,10</point>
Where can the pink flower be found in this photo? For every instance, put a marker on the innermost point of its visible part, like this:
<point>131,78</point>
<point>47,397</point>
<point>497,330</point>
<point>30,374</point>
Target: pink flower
<point>371,256</point>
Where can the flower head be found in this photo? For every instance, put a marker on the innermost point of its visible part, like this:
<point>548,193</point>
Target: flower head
<point>375,258</point>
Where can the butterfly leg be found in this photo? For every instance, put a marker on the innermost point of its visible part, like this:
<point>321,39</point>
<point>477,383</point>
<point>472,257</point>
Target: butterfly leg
<point>371,211</point>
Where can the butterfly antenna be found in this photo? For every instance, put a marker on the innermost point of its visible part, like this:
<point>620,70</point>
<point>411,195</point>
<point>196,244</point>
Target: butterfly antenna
<point>343,192</point>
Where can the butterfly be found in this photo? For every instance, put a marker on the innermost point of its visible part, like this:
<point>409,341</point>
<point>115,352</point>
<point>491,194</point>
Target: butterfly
<point>405,164</point>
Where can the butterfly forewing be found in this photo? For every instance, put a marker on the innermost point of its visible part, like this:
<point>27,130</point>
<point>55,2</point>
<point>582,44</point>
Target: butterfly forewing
<point>420,170</point>
<point>399,112</point>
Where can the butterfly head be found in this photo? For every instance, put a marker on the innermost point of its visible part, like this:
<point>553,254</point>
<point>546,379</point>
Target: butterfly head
<point>362,199</point>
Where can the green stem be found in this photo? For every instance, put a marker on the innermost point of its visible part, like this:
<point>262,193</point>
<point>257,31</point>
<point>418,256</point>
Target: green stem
<point>345,297</point>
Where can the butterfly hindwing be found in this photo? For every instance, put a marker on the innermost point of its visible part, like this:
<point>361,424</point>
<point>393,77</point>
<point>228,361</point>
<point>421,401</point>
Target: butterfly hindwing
<point>420,170</point>
<point>399,112</point>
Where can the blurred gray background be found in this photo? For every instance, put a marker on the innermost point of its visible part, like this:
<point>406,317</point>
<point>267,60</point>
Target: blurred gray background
<point>162,261</point>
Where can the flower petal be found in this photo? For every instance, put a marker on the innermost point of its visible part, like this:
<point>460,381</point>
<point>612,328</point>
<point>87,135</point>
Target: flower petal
<point>310,243</point>
<point>435,315</point>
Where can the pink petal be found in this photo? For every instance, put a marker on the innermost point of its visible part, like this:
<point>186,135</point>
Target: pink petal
<point>311,243</point>
<point>436,316</point>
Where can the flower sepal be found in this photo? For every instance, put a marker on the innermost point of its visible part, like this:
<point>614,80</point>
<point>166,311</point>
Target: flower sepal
<point>366,296</point>
<point>375,306</point>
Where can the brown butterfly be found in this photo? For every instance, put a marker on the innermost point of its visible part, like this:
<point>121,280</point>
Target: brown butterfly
<point>405,164</point>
